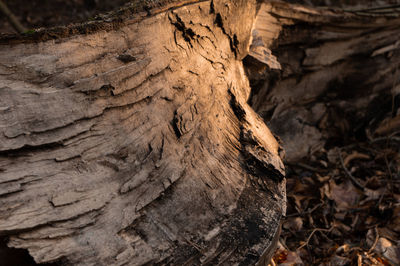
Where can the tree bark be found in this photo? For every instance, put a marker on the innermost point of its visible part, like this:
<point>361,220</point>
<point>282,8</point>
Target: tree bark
<point>133,143</point>
<point>130,141</point>
<point>337,77</point>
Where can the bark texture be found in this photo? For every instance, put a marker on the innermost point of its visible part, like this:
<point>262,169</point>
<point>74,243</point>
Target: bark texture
<point>130,141</point>
<point>331,72</point>
<point>134,144</point>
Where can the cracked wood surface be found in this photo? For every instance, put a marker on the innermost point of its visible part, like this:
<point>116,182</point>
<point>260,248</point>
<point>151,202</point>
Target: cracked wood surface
<point>337,71</point>
<point>136,145</point>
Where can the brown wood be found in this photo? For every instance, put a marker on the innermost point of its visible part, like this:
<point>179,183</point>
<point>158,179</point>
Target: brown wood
<point>130,140</point>
<point>338,73</point>
<point>134,144</point>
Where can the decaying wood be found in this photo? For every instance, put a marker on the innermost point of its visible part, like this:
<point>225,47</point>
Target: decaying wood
<point>129,140</point>
<point>338,72</point>
<point>135,145</point>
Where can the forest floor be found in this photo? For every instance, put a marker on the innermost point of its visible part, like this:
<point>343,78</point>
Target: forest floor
<point>344,206</point>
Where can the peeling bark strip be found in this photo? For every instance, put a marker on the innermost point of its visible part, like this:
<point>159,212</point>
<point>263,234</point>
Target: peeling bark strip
<point>339,72</point>
<point>121,147</point>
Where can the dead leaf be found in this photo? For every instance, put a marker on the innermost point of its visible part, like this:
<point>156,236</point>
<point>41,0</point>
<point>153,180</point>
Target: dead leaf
<point>340,215</point>
<point>345,195</point>
<point>284,257</point>
<point>294,224</point>
<point>298,199</point>
<point>343,249</point>
<point>387,233</point>
<point>397,197</point>
<point>322,179</point>
<point>372,194</point>
<point>323,163</point>
<point>342,226</point>
<point>332,155</point>
<point>339,261</point>
<point>370,237</point>
<point>292,259</point>
<point>355,155</point>
<point>395,222</point>
<point>389,251</point>
<point>388,126</point>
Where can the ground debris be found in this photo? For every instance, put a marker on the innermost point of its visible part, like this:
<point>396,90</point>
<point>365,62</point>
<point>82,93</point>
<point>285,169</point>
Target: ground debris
<point>347,213</point>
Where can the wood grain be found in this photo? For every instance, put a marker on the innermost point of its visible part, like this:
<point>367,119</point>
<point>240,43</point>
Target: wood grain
<point>124,146</point>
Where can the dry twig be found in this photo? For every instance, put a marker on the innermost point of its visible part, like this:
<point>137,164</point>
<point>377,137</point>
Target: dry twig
<point>11,18</point>
<point>355,181</point>
<point>375,242</point>
<point>312,233</point>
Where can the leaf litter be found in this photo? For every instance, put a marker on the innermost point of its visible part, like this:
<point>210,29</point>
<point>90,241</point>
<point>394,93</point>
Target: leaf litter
<point>343,207</point>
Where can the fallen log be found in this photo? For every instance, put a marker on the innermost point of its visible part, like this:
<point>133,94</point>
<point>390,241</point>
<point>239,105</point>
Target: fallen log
<point>129,140</point>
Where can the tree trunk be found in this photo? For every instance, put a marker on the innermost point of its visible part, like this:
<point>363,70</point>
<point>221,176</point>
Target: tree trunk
<point>129,140</point>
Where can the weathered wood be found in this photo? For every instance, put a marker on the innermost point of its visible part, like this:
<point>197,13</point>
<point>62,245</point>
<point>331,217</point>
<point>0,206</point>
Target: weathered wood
<point>134,144</point>
<point>337,72</point>
<point>128,140</point>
